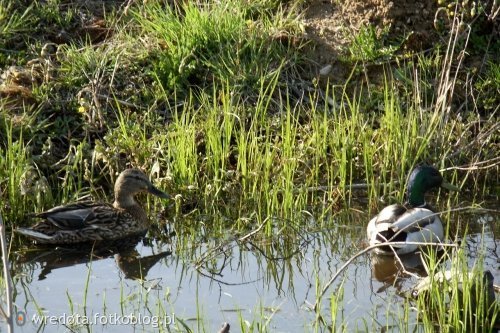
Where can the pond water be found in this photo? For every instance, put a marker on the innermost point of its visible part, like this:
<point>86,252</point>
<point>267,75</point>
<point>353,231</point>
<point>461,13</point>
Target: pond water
<point>245,282</point>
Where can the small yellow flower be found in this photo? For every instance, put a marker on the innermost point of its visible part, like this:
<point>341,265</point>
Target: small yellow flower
<point>81,109</point>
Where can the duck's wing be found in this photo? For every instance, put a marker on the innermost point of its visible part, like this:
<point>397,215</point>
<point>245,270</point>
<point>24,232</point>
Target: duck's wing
<point>390,214</point>
<point>413,220</point>
<point>384,220</point>
<point>79,215</point>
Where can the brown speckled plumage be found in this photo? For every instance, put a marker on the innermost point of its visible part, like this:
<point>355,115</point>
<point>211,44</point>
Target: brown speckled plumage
<point>88,221</point>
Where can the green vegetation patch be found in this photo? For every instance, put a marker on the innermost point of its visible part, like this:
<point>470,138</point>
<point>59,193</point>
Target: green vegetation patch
<point>215,43</point>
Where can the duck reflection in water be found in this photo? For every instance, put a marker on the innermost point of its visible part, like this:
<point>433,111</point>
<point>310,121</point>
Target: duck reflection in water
<point>392,270</point>
<point>124,251</point>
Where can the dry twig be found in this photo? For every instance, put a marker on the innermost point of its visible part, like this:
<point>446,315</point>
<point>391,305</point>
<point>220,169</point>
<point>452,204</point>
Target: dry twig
<point>7,278</point>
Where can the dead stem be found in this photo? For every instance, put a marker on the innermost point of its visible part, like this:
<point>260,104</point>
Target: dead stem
<point>7,278</point>
<point>366,250</point>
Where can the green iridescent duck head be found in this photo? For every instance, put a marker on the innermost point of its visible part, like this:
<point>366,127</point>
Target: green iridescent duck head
<point>422,179</point>
<point>129,183</point>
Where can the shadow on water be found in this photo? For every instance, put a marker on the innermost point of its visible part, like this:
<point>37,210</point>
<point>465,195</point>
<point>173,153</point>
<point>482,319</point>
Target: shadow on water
<point>253,280</point>
<point>128,259</point>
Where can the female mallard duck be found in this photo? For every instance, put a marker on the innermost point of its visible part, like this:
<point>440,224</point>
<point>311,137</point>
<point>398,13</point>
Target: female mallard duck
<point>88,221</point>
<point>414,221</point>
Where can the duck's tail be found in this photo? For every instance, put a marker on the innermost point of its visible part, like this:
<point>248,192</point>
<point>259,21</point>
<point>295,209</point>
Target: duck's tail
<point>38,236</point>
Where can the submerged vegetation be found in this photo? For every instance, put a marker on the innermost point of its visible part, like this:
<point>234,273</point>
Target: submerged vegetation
<point>221,104</point>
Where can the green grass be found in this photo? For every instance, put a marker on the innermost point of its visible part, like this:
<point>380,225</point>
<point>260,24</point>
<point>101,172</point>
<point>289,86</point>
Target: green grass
<point>368,47</point>
<point>13,22</point>
<point>213,44</point>
<point>461,303</point>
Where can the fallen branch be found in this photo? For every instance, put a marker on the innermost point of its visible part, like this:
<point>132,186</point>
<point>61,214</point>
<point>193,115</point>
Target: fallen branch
<point>366,250</point>
<point>7,278</point>
<point>216,249</point>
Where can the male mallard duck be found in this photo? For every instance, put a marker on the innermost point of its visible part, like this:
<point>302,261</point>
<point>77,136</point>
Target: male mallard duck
<point>89,221</point>
<point>414,221</point>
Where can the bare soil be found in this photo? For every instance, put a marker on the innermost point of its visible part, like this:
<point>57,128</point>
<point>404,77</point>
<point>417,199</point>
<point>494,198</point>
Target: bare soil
<point>331,24</point>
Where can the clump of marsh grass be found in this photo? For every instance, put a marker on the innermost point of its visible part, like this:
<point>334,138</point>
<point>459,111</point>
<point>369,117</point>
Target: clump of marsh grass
<point>235,151</point>
<point>461,299</point>
<point>21,186</point>
<point>202,44</point>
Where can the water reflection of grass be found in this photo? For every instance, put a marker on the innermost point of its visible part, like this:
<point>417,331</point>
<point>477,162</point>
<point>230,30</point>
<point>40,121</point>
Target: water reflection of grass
<point>291,268</point>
